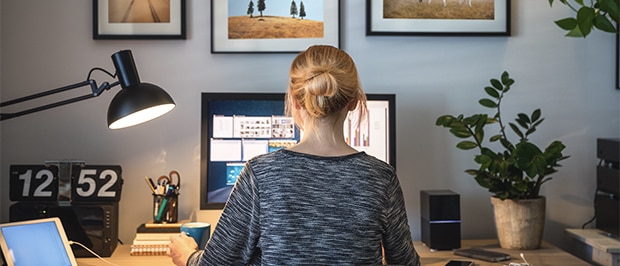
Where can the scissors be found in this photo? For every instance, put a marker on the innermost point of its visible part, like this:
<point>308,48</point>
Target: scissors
<point>169,180</point>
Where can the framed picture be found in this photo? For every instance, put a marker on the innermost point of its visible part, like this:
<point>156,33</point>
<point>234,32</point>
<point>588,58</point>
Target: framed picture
<point>438,17</point>
<point>139,19</point>
<point>259,26</point>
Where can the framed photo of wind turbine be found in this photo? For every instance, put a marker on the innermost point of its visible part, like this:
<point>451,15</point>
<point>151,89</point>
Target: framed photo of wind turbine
<point>139,19</point>
<point>438,17</point>
<point>261,26</point>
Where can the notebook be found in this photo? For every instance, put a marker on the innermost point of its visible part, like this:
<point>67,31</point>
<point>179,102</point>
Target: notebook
<point>36,242</point>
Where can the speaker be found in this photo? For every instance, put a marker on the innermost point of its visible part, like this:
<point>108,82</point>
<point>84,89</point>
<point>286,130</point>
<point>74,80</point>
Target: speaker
<point>607,199</point>
<point>440,219</point>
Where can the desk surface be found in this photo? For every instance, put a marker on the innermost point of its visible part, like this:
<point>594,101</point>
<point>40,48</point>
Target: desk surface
<point>546,255</point>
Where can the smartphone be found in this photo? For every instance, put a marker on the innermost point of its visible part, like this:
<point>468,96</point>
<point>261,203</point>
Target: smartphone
<point>460,263</point>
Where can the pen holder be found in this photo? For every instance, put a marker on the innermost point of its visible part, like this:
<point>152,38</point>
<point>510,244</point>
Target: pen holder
<point>165,209</point>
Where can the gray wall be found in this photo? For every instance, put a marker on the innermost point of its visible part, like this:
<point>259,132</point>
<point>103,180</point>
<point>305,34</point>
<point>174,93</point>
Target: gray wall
<point>47,44</point>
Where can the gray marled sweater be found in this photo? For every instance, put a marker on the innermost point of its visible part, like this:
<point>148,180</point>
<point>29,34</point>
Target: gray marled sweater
<point>289,208</point>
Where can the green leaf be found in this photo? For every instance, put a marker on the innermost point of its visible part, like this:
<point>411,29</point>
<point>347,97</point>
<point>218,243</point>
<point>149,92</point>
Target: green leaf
<point>482,159</point>
<point>491,92</point>
<point>521,123</point>
<point>444,120</point>
<point>506,144</point>
<point>530,131</point>
<point>524,118</point>
<point>460,132</point>
<point>466,145</point>
<point>495,138</point>
<point>602,23</point>
<point>536,115</point>
<point>575,33</point>
<point>516,130</point>
<point>496,84</point>
<point>585,18</point>
<point>538,123</point>
<point>580,2</point>
<point>567,23</point>
<point>482,182</point>
<point>479,125</point>
<point>505,77</point>
<point>472,172</point>
<point>474,119</point>
<point>611,7</point>
<point>487,103</point>
<point>525,153</point>
<point>479,135</point>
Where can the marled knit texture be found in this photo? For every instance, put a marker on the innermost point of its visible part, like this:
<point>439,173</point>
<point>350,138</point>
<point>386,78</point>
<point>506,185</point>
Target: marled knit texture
<point>290,208</point>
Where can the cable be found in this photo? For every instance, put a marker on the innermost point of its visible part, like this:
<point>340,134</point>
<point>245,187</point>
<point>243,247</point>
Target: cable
<point>100,69</point>
<point>595,214</point>
<point>92,252</point>
<point>600,163</point>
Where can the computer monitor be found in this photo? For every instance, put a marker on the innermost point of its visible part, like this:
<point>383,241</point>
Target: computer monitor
<point>238,126</point>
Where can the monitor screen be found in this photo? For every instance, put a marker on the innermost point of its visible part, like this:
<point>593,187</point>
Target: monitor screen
<point>238,126</point>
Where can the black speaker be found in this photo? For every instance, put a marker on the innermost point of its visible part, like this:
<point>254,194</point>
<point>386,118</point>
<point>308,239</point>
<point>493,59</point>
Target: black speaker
<point>440,219</point>
<point>607,200</point>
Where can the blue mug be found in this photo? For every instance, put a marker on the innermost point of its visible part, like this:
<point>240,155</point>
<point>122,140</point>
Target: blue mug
<point>199,231</point>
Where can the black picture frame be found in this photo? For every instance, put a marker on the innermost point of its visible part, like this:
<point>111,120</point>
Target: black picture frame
<point>426,17</point>
<point>258,40</point>
<point>165,25</point>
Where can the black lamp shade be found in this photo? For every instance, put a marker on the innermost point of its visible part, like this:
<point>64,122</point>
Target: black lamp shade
<point>138,104</point>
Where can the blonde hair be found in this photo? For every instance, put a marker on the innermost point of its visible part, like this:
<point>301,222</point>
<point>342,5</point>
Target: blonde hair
<point>323,82</point>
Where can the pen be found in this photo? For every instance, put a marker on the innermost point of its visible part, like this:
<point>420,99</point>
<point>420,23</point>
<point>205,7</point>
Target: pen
<point>162,207</point>
<point>150,183</point>
<point>164,202</point>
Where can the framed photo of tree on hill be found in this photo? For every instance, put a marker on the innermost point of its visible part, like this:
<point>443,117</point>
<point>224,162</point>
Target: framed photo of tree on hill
<point>438,17</point>
<point>263,26</point>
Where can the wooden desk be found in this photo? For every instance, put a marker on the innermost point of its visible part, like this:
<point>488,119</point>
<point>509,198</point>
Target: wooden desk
<point>546,255</point>
<point>594,246</point>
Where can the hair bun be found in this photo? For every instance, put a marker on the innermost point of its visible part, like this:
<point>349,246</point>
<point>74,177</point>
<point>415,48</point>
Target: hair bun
<point>321,82</point>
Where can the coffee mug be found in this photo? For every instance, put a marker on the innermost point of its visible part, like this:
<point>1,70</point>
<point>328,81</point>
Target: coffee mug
<point>199,231</point>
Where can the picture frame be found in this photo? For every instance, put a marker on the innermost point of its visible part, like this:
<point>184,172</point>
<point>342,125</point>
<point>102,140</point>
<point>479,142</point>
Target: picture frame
<point>434,18</point>
<point>273,30</point>
<point>114,19</point>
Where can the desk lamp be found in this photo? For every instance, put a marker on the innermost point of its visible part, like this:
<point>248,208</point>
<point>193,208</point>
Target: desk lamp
<point>136,103</point>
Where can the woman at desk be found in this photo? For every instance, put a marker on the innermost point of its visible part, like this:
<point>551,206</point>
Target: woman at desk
<point>319,202</point>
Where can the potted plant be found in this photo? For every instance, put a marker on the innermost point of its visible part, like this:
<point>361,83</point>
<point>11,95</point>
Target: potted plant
<point>512,171</point>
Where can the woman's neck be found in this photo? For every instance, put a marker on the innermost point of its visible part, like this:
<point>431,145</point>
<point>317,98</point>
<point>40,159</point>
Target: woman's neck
<point>325,140</point>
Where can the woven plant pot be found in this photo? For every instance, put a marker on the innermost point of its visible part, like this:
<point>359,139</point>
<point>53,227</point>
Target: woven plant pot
<point>519,223</point>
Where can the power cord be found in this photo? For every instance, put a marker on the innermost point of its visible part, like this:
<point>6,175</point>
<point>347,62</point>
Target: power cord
<point>92,252</point>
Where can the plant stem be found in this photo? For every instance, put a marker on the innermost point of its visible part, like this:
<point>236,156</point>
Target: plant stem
<point>499,116</point>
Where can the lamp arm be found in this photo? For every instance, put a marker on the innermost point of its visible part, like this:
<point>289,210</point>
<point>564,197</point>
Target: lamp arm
<point>96,91</point>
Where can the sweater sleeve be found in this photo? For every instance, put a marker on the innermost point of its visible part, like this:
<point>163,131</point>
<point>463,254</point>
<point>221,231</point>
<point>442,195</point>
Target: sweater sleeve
<point>236,234</point>
<point>397,242</point>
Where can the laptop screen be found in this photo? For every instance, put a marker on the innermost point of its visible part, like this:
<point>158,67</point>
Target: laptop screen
<point>35,242</point>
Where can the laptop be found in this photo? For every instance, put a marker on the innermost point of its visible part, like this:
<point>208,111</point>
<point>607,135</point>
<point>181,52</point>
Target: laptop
<point>36,242</point>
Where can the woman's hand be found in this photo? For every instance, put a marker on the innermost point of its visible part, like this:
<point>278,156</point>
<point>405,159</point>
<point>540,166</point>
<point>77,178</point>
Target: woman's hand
<point>181,247</point>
